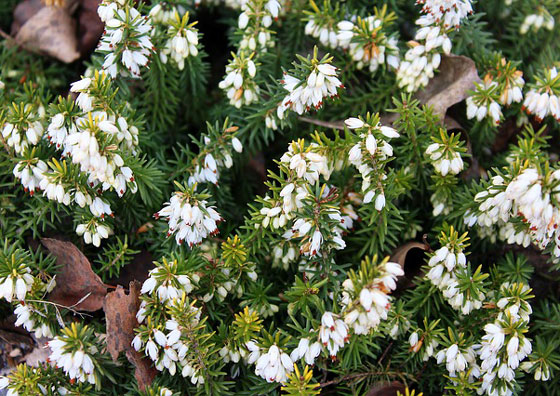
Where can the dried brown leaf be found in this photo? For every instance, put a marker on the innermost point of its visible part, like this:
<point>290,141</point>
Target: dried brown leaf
<point>400,253</point>
<point>39,355</point>
<point>120,314</point>
<point>386,389</point>
<point>145,372</point>
<point>51,31</point>
<point>456,76</point>
<point>23,12</point>
<point>411,257</point>
<point>75,279</point>
<point>90,26</point>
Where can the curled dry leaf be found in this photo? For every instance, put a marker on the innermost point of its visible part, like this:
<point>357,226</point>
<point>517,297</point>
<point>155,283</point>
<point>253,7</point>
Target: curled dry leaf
<point>23,12</point>
<point>90,27</point>
<point>411,257</point>
<point>387,389</point>
<point>120,314</point>
<point>39,355</point>
<point>456,76</point>
<point>51,31</point>
<point>400,254</point>
<point>77,286</point>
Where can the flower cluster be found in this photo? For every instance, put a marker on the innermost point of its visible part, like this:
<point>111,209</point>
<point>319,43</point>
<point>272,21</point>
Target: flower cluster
<point>24,282</point>
<point>504,344</point>
<point>182,42</point>
<point>303,165</point>
<point>30,173</point>
<point>509,79</point>
<point>126,41</point>
<point>424,341</point>
<point>274,365</point>
<point>160,14</point>
<point>93,231</point>
<point>189,216</point>
<point>484,102</point>
<point>449,13</point>
<point>94,137</point>
<point>448,271</point>
<point>32,320</point>
<point>424,56</point>
<point>535,22</point>
<point>321,230</point>
<point>457,359</point>
<point>333,333</point>
<point>307,164</point>
<point>253,23</point>
<point>368,44</point>
<point>316,81</point>
<point>366,39</point>
<point>174,351</point>
<point>216,153</point>
<point>502,85</point>
<point>75,353</point>
<point>323,24</point>
<point>307,351</point>
<point>543,97</point>
<point>445,154</point>
<point>370,154</point>
<point>365,299</point>
<point>527,194</point>
<point>15,280</point>
<point>168,282</point>
<point>104,166</point>
<point>283,256</point>
<point>239,83</point>
<point>23,127</point>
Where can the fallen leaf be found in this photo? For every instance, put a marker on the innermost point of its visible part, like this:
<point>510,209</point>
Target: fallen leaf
<point>23,12</point>
<point>400,253</point>
<point>39,355</point>
<point>411,257</point>
<point>77,285</point>
<point>386,389</point>
<point>456,76</point>
<point>120,315</point>
<point>51,31</point>
<point>452,125</point>
<point>145,372</point>
<point>10,337</point>
<point>90,26</point>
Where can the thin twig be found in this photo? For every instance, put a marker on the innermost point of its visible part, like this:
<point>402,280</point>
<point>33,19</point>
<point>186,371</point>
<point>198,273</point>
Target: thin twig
<point>362,375</point>
<point>385,352</point>
<point>334,125</point>
<point>9,38</point>
<point>5,35</point>
<point>56,305</point>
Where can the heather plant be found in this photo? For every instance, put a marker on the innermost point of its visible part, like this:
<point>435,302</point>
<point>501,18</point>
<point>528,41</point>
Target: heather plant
<point>242,197</point>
